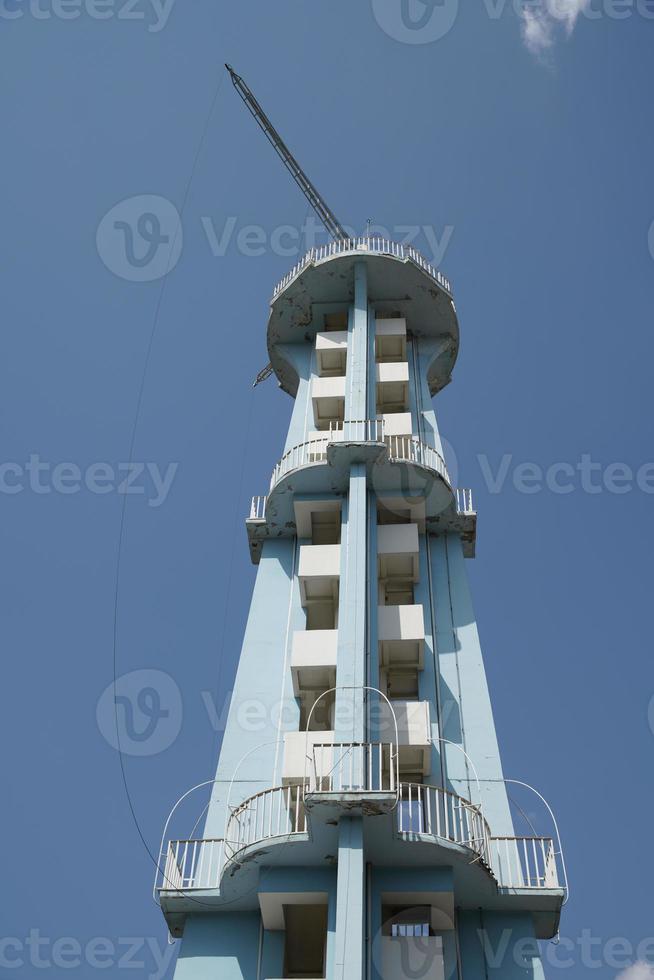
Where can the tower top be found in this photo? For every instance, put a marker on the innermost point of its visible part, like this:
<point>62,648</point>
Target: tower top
<point>401,282</point>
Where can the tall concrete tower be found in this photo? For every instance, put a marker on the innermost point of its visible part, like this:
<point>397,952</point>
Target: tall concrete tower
<point>359,824</point>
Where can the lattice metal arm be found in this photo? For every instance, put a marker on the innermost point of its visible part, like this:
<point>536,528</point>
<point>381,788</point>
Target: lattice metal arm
<point>315,199</point>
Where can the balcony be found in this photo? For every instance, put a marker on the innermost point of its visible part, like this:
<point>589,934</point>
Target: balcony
<point>313,660</point>
<point>373,245</point>
<point>400,465</point>
<point>401,635</point>
<point>398,551</point>
<point>319,568</point>
<point>399,278</point>
<point>392,387</point>
<point>353,775</point>
<point>356,441</point>
<point>331,353</point>
<point>190,865</point>
<point>517,863</point>
<point>328,399</point>
<point>323,446</point>
<point>405,449</point>
<point>413,732</point>
<point>274,813</point>
<point>431,811</point>
<point>464,504</point>
<point>524,862</point>
<point>390,340</point>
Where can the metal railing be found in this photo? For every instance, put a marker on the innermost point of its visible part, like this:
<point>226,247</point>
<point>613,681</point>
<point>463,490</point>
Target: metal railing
<point>258,509</point>
<point>464,501</point>
<point>375,245</point>
<point>407,449</point>
<point>191,865</point>
<point>364,769</point>
<point>401,449</point>
<point>356,430</point>
<point>524,862</point>
<point>306,454</point>
<point>353,767</point>
<point>277,812</point>
<point>436,812</point>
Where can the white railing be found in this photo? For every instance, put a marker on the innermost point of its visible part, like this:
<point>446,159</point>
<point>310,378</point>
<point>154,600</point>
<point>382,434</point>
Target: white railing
<point>306,454</point>
<point>277,812</point>
<point>437,812</point>
<point>191,865</point>
<point>464,502</point>
<point>378,246</point>
<point>524,862</point>
<point>258,509</point>
<point>353,767</point>
<point>464,505</point>
<point>401,449</point>
<point>357,430</point>
<point>407,449</point>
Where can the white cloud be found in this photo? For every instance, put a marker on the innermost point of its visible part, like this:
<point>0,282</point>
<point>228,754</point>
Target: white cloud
<point>540,19</point>
<point>639,971</point>
<point>537,30</point>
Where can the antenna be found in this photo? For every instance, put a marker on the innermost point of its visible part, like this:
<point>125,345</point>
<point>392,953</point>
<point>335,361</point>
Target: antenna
<point>315,199</point>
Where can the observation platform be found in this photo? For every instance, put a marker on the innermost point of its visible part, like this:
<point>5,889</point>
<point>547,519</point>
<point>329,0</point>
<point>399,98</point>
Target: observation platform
<point>423,826</point>
<point>400,468</point>
<point>400,281</point>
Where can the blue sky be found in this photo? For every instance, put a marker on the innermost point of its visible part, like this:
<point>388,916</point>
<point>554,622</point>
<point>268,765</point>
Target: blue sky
<point>522,141</point>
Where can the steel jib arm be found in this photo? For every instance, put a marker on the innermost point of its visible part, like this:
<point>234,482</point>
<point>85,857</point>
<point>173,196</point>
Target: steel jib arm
<point>315,199</point>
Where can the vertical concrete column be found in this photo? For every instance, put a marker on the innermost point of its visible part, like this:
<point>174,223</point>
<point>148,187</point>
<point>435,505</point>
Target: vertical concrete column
<point>349,719</point>
<point>357,348</point>
<point>351,901</point>
<point>349,715</point>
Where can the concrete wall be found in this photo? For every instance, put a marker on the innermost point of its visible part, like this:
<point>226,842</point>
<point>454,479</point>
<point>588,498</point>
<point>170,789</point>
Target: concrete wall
<point>466,713</point>
<point>224,946</point>
<point>498,946</point>
<point>262,686</point>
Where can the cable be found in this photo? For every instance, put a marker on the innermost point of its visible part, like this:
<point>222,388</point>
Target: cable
<point>523,814</point>
<point>139,402</point>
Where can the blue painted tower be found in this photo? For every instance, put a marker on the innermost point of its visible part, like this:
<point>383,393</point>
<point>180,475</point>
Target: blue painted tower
<point>359,823</point>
